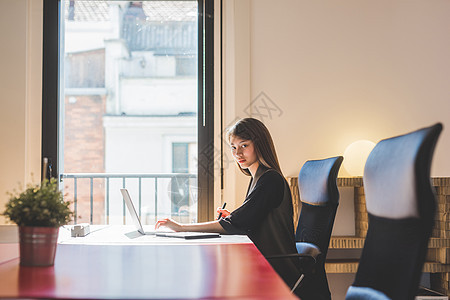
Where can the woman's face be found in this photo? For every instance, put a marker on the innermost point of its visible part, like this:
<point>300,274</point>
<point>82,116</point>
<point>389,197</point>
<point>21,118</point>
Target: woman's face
<point>244,153</point>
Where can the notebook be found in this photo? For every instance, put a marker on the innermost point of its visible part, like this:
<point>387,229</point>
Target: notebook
<point>162,233</point>
<point>189,235</point>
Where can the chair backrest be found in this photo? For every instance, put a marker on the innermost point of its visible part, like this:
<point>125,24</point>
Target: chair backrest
<point>319,197</point>
<point>401,205</point>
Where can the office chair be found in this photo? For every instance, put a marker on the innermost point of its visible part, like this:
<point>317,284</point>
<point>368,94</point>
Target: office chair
<point>401,205</point>
<point>319,197</point>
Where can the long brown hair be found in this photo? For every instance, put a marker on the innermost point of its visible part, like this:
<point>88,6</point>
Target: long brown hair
<point>251,129</point>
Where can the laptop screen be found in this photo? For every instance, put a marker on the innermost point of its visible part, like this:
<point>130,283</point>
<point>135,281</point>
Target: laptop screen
<point>132,210</point>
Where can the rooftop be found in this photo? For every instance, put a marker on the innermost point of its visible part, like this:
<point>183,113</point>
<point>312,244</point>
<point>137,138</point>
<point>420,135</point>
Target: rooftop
<point>98,10</point>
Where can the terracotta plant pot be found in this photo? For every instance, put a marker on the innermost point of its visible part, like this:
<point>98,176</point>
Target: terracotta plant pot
<point>38,245</point>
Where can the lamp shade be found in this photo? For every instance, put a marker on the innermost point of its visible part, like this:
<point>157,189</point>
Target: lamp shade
<point>355,156</point>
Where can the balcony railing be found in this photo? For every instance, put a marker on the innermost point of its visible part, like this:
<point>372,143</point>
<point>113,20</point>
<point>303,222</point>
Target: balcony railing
<point>182,191</point>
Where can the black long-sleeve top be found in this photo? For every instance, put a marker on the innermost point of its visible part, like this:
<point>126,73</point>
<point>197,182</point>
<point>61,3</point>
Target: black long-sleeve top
<point>266,218</point>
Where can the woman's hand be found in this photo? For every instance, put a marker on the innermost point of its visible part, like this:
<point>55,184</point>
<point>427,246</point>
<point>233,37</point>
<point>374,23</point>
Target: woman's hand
<point>224,212</point>
<point>169,223</point>
<point>213,226</point>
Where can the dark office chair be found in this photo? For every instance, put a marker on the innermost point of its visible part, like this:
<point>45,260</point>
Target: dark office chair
<point>319,197</point>
<point>401,205</point>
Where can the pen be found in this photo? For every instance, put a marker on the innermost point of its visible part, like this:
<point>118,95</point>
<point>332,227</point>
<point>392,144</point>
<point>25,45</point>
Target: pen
<point>223,207</point>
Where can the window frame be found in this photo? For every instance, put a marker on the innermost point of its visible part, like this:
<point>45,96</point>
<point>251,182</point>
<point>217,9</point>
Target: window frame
<point>51,94</point>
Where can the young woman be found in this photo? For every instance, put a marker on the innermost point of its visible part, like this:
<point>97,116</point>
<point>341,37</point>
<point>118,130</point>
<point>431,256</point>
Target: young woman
<point>266,214</point>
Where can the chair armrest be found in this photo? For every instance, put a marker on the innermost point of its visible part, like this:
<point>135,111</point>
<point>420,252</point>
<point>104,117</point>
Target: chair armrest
<point>305,250</point>
<point>365,293</point>
<point>291,255</point>
<point>308,249</point>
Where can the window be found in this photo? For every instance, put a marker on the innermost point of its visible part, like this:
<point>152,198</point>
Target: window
<point>123,100</point>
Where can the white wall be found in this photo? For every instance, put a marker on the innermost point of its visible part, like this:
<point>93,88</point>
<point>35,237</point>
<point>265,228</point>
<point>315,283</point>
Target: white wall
<point>145,142</point>
<point>20,89</point>
<point>349,70</point>
<point>158,96</point>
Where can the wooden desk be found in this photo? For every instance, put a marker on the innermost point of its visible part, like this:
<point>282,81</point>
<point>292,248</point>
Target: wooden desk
<point>150,271</point>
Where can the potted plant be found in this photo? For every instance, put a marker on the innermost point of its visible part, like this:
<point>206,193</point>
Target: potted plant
<point>39,211</point>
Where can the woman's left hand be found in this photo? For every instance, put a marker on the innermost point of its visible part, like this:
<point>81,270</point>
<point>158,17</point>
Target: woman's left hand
<point>169,223</point>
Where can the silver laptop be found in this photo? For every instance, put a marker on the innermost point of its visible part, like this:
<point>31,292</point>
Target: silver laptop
<point>133,213</point>
<point>167,233</point>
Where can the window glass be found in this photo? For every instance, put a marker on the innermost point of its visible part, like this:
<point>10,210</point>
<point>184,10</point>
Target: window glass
<point>129,109</point>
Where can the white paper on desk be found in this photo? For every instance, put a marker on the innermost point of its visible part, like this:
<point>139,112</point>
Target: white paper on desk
<point>125,234</point>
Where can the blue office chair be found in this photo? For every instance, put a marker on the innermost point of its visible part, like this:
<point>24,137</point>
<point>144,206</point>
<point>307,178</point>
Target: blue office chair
<point>319,196</point>
<point>401,205</point>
